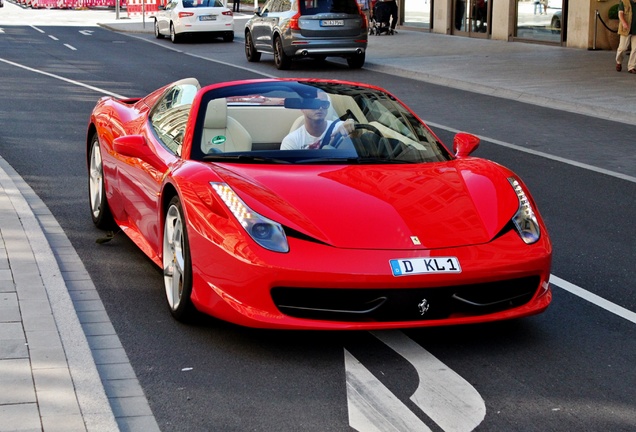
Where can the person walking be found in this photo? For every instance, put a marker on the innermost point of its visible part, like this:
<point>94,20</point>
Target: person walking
<point>393,7</point>
<point>236,6</point>
<point>627,32</point>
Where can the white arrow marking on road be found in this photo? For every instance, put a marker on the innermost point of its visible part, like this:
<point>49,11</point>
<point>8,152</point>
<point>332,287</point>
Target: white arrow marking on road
<point>372,406</point>
<point>87,32</point>
<point>447,398</point>
<point>443,395</point>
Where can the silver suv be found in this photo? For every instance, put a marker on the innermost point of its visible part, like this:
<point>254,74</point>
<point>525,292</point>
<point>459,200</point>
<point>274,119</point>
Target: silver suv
<point>318,29</point>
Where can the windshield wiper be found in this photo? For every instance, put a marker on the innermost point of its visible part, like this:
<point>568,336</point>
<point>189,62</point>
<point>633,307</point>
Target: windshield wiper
<point>243,159</point>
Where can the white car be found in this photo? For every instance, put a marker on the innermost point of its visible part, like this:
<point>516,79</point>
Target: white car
<point>186,17</point>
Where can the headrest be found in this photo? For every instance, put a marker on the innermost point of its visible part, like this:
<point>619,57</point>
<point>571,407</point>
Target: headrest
<point>216,114</point>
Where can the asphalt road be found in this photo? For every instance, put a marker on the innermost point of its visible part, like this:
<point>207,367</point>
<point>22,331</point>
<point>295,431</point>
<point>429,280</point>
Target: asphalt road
<point>570,368</point>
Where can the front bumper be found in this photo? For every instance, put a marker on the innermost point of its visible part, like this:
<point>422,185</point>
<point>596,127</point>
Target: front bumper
<point>315,286</point>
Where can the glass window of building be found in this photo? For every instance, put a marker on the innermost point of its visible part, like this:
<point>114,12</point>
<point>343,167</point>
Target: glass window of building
<point>417,13</point>
<point>540,20</point>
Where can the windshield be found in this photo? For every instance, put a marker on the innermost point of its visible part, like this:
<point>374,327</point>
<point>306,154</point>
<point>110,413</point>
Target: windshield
<point>310,122</point>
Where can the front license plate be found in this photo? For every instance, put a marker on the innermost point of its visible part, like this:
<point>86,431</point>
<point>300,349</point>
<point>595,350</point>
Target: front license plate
<point>416,266</point>
<point>331,23</point>
<point>207,18</point>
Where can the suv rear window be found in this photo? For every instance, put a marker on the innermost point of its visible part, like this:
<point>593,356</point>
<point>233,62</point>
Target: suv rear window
<point>313,7</point>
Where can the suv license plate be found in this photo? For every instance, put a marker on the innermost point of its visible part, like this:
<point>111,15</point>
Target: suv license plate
<point>207,18</point>
<point>415,266</point>
<point>331,23</point>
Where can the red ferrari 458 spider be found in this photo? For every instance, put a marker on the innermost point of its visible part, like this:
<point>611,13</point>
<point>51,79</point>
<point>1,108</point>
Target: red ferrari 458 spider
<point>314,204</point>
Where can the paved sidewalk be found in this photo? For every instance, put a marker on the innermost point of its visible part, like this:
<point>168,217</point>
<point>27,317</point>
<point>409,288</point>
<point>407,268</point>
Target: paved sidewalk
<point>62,366</point>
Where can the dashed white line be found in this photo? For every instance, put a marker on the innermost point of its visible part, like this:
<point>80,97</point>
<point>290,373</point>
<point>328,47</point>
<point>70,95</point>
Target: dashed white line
<point>71,47</point>
<point>54,38</point>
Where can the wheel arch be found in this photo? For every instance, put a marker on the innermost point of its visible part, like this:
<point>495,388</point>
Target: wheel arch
<point>92,130</point>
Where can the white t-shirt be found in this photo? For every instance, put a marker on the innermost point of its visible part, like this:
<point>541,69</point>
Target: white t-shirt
<point>301,139</point>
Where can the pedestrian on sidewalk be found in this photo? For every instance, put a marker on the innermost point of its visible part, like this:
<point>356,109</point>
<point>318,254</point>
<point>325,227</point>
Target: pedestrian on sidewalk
<point>627,32</point>
<point>393,7</point>
<point>540,5</point>
<point>236,6</point>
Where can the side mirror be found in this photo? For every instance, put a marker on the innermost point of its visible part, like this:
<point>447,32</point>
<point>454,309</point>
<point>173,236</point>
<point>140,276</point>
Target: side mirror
<point>132,146</point>
<point>464,144</point>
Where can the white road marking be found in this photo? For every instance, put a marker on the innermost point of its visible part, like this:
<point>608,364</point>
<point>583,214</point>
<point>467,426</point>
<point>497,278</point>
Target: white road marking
<point>544,155</point>
<point>71,47</point>
<point>53,37</point>
<point>447,398</point>
<point>37,29</point>
<point>593,298</point>
<point>70,81</point>
<point>87,32</point>
<point>372,406</point>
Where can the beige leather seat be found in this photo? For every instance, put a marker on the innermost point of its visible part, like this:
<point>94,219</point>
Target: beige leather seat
<point>222,133</point>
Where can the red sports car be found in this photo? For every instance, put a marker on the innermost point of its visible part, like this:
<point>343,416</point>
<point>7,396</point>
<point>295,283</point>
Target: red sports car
<point>314,204</point>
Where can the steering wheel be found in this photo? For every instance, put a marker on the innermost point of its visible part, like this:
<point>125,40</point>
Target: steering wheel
<point>336,140</point>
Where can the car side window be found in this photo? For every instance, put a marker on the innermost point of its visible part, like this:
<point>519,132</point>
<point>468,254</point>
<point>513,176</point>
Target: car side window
<point>170,115</point>
<point>269,7</point>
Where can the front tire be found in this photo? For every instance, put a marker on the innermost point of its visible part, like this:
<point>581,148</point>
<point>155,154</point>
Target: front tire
<point>281,60</point>
<point>100,212</point>
<point>158,34</point>
<point>177,267</point>
<point>174,37</point>
<point>250,50</point>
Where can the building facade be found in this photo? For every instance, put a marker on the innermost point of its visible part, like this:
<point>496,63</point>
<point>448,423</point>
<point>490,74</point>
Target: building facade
<point>571,23</point>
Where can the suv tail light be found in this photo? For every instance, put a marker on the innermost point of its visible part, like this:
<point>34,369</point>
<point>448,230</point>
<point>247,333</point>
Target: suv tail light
<point>228,13</point>
<point>365,22</point>
<point>185,14</point>
<point>293,22</point>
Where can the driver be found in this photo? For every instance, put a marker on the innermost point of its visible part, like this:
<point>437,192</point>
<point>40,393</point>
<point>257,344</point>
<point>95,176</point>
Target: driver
<point>311,133</point>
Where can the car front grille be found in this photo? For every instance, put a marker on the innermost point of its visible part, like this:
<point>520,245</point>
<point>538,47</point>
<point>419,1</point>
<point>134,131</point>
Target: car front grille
<point>404,304</point>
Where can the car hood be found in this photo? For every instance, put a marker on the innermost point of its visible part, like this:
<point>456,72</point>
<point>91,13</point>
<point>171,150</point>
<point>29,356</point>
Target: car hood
<point>419,206</point>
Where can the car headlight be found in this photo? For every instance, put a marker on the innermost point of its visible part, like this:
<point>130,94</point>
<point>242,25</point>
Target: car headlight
<point>525,220</point>
<point>263,231</point>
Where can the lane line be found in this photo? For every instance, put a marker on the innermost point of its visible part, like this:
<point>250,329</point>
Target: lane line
<point>543,155</point>
<point>372,406</point>
<point>37,29</point>
<point>594,299</point>
<point>71,47</point>
<point>53,37</point>
<point>447,398</point>
<point>70,81</point>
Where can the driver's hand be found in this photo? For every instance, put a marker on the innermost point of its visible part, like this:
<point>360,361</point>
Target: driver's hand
<point>344,128</point>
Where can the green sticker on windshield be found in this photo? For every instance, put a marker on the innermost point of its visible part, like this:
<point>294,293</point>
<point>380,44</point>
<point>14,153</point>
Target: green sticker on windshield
<point>219,139</point>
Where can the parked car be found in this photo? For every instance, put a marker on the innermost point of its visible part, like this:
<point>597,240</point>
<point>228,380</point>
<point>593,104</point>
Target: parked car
<point>194,17</point>
<point>317,29</point>
<point>377,225</point>
<point>555,24</point>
